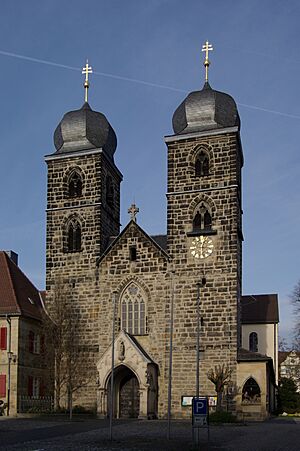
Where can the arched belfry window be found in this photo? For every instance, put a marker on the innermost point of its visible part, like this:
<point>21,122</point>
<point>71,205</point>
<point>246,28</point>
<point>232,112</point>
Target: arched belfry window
<point>109,191</point>
<point>75,185</point>
<point>202,219</point>
<point>73,236</point>
<point>253,342</point>
<point>202,164</point>
<point>251,392</point>
<point>133,310</point>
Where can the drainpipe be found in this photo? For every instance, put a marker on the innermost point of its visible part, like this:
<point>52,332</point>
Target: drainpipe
<point>8,319</point>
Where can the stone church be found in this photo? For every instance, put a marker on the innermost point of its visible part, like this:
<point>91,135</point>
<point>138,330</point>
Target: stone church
<point>143,280</point>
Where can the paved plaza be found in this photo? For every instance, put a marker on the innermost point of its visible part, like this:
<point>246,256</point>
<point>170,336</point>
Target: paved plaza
<point>44,434</point>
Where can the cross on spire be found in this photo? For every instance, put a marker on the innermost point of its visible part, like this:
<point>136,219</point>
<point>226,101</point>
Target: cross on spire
<point>133,210</point>
<point>206,48</point>
<point>86,70</point>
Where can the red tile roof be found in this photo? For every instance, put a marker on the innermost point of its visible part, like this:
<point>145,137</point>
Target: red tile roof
<point>18,296</point>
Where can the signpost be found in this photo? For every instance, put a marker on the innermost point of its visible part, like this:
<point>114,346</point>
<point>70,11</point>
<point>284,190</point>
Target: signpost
<point>200,414</point>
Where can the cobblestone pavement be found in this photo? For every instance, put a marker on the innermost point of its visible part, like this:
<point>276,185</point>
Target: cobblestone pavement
<point>91,434</point>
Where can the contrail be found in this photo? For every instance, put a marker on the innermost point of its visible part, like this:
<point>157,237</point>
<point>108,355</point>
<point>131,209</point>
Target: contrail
<point>133,80</point>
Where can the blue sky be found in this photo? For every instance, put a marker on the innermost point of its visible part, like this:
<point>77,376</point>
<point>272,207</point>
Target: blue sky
<point>147,57</point>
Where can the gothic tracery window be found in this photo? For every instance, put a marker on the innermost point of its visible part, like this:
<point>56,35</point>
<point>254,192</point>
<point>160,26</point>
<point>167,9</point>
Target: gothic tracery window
<point>73,236</point>
<point>133,313</point>
<point>75,185</point>
<point>202,164</point>
<point>202,219</point>
<point>251,392</point>
<point>253,342</point>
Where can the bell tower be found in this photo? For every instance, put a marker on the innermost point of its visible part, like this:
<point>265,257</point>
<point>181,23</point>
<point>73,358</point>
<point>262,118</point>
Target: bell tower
<point>204,231</point>
<point>83,194</point>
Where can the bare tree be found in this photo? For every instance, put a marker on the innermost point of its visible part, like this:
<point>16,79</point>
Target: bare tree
<point>219,376</point>
<point>295,298</point>
<point>65,356</point>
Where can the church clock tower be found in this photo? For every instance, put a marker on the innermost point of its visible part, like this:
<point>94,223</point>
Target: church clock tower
<point>205,234</point>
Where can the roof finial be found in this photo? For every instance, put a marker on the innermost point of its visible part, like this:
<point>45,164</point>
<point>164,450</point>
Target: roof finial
<point>206,48</point>
<point>86,70</point>
<point>133,210</point>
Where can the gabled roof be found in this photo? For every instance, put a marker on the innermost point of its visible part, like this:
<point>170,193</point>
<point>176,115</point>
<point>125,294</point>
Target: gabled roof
<point>260,308</point>
<point>18,296</point>
<point>139,229</point>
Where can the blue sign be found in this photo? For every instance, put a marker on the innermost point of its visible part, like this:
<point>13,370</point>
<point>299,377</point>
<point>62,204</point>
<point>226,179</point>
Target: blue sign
<point>200,406</point>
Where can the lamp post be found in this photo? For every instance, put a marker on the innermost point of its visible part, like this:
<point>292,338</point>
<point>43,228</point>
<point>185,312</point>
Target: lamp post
<point>10,358</point>
<point>199,285</point>
<point>171,353</point>
<point>112,367</point>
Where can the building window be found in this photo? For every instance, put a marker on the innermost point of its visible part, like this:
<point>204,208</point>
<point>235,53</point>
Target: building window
<point>75,185</point>
<point>253,342</point>
<point>202,219</point>
<point>133,312</point>
<point>3,385</point>
<point>109,191</point>
<point>73,236</point>
<point>34,386</point>
<point>251,392</point>
<point>202,164</point>
<point>132,253</point>
<point>3,338</point>
<point>34,342</point>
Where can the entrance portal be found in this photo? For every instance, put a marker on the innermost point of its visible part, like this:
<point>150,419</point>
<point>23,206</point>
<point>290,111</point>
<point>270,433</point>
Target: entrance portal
<point>126,393</point>
<point>129,398</point>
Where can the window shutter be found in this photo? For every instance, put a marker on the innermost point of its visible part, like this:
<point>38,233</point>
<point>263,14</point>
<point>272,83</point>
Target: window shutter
<point>30,385</point>
<point>3,338</point>
<point>31,340</point>
<point>3,385</point>
<point>43,344</point>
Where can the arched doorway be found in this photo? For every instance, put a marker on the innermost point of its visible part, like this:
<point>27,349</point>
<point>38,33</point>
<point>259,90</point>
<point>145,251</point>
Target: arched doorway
<point>129,398</point>
<point>126,393</point>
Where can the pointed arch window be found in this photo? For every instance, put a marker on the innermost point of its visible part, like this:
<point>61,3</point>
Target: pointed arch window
<point>251,392</point>
<point>133,317</point>
<point>253,342</point>
<point>202,220</point>
<point>73,236</point>
<point>202,164</point>
<point>75,185</point>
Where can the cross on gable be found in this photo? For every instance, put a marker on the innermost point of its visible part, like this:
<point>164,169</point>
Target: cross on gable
<point>133,210</point>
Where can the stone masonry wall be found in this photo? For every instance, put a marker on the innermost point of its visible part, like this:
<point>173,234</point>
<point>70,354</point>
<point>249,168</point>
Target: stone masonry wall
<point>77,270</point>
<point>220,190</point>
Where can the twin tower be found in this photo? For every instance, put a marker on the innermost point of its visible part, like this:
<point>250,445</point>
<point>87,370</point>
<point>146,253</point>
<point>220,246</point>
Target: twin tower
<point>137,277</point>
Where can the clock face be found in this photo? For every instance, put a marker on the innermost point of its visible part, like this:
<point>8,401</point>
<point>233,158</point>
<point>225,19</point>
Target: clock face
<point>201,247</point>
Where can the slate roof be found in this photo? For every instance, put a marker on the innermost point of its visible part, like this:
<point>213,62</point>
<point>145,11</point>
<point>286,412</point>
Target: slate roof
<point>18,296</point>
<point>205,110</point>
<point>248,356</point>
<point>161,240</point>
<point>260,308</point>
<point>84,129</point>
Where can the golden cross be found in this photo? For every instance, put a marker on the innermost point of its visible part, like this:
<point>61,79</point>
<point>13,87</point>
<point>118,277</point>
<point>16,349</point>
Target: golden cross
<point>133,210</point>
<point>206,48</point>
<point>86,70</point>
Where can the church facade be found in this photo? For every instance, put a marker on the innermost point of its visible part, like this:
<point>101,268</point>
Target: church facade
<point>148,286</point>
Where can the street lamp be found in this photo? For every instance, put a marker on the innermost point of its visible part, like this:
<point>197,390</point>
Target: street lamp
<point>112,365</point>
<point>199,285</point>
